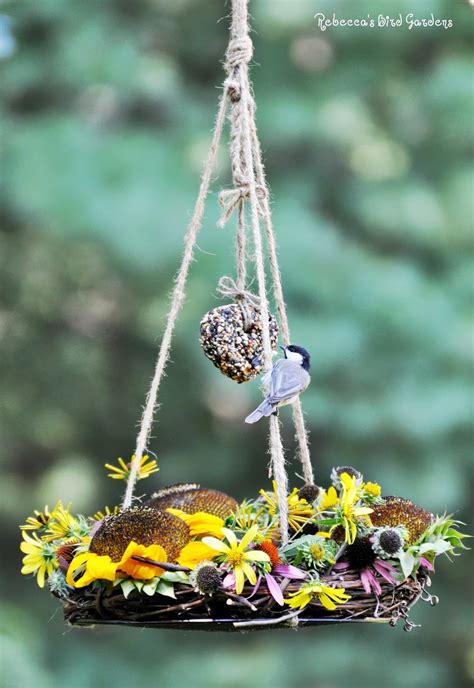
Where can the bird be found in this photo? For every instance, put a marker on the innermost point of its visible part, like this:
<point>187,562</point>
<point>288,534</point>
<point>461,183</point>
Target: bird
<point>284,382</point>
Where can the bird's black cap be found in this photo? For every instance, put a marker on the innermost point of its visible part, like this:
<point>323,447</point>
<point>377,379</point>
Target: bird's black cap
<point>303,353</point>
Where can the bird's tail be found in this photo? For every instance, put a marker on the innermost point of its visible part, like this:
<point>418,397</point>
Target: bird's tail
<point>265,409</point>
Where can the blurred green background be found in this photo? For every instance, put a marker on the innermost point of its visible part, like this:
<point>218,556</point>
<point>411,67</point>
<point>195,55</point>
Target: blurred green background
<point>107,107</point>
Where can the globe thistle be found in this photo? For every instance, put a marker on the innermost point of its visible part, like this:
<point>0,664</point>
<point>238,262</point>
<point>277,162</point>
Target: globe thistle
<point>339,470</point>
<point>57,584</point>
<point>396,511</point>
<point>192,498</point>
<point>387,541</point>
<point>143,525</point>
<point>309,492</point>
<point>318,553</point>
<point>205,578</point>
<point>360,554</point>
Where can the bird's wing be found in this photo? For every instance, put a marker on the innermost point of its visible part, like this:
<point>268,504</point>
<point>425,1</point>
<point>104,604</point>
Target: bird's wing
<point>288,378</point>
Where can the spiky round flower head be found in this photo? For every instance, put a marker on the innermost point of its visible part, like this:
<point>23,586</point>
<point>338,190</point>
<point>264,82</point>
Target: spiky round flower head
<point>396,511</point>
<point>143,525</point>
<point>57,583</point>
<point>339,470</point>
<point>309,492</point>
<point>206,578</point>
<point>388,541</point>
<point>360,554</point>
<point>191,499</point>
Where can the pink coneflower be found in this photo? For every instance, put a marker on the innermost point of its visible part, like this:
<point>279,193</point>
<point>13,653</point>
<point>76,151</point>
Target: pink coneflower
<point>273,587</point>
<point>368,575</point>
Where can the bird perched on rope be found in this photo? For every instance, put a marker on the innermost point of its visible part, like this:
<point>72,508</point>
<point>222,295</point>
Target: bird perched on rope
<point>284,382</point>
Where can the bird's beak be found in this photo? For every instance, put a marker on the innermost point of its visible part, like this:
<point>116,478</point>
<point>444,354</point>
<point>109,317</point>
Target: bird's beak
<point>283,348</point>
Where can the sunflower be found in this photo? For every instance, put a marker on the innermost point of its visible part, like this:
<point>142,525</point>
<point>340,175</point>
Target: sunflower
<point>93,566</point>
<point>328,597</point>
<point>299,511</point>
<point>121,472</point>
<point>40,557</point>
<point>349,512</point>
<point>236,555</point>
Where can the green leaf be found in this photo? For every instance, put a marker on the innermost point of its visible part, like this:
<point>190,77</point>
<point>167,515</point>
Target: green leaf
<point>439,546</point>
<point>150,588</point>
<point>165,588</point>
<point>127,586</point>
<point>175,577</point>
<point>407,562</point>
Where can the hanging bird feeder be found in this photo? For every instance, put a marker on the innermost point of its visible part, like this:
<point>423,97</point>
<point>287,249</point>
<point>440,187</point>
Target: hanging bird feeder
<point>189,557</point>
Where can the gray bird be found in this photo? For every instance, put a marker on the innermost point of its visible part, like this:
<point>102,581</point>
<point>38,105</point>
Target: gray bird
<point>284,382</point>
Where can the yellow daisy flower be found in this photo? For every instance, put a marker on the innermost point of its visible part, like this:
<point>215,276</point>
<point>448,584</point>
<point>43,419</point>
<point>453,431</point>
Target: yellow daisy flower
<point>328,499</point>
<point>299,511</point>
<point>93,566</point>
<point>350,511</point>
<point>373,489</point>
<point>62,524</point>
<point>245,516</point>
<point>40,558</point>
<point>328,597</point>
<point>122,471</point>
<point>200,523</point>
<point>237,556</point>
<point>40,518</point>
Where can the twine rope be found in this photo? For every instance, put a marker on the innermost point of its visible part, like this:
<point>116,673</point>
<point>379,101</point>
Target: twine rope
<point>243,152</point>
<point>177,299</point>
<point>249,183</point>
<point>297,409</point>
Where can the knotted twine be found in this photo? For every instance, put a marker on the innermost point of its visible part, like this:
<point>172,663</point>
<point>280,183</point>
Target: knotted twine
<point>242,152</point>
<point>249,182</point>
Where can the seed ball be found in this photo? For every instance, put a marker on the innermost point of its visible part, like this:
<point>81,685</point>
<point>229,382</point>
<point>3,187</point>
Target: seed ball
<point>143,525</point>
<point>231,337</point>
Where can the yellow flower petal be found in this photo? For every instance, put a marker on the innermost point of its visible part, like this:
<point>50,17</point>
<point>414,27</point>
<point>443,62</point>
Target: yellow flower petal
<point>195,552</point>
<point>239,579</point>
<point>248,537</point>
<point>139,569</point>
<point>217,544</point>
<point>230,536</point>
<point>201,523</point>
<point>249,573</point>
<point>326,602</point>
<point>256,555</point>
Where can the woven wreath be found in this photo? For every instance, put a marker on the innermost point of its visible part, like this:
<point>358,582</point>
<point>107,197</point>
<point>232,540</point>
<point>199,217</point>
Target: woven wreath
<point>193,557</point>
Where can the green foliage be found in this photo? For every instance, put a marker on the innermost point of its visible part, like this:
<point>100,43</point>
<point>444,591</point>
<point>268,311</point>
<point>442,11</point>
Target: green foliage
<point>106,108</point>
<point>442,537</point>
